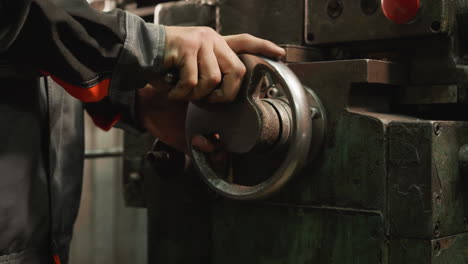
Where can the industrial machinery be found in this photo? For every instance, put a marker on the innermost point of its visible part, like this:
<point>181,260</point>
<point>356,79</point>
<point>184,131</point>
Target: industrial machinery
<point>353,149</point>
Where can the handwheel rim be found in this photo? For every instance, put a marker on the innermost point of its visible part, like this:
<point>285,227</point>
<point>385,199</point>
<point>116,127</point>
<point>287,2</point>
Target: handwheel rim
<point>297,149</point>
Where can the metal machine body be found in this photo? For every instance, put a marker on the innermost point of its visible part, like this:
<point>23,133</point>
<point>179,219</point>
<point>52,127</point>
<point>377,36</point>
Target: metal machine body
<point>390,182</point>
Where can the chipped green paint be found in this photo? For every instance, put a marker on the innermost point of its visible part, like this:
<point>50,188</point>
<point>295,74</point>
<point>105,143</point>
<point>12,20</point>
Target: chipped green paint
<point>254,233</point>
<point>448,250</point>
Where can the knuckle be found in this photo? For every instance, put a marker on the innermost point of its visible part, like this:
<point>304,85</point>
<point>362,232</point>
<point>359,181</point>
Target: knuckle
<point>246,36</point>
<point>189,83</point>
<point>241,71</point>
<point>207,31</point>
<point>189,44</point>
<point>214,79</point>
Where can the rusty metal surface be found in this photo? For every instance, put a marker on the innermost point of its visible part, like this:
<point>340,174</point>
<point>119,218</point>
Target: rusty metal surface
<point>452,249</point>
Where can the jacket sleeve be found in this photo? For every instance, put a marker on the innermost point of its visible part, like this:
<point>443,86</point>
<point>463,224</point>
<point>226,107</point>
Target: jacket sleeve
<point>95,56</point>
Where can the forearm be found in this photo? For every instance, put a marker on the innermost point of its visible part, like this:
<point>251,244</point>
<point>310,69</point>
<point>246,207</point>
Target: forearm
<point>93,55</point>
<point>80,47</point>
<point>76,43</point>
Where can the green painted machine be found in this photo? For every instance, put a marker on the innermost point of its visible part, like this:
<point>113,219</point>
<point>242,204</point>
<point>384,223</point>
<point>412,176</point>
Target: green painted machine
<point>354,149</point>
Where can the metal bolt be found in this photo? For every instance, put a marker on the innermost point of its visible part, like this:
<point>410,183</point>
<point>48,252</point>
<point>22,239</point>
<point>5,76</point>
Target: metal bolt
<point>437,229</point>
<point>436,26</point>
<point>436,248</point>
<point>134,176</point>
<point>310,36</point>
<point>334,8</point>
<point>273,92</point>
<point>437,129</point>
<point>369,7</point>
<point>314,112</point>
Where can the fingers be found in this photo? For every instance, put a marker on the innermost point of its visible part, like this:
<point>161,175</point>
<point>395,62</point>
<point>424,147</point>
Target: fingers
<point>245,43</point>
<point>218,158</point>
<point>201,143</point>
<point>209,73</point>
<point>233,71</point>
<point>188,78</point>
<point>204,58</point>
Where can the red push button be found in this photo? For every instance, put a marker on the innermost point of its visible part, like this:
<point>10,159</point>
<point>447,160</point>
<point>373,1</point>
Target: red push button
<point>401,11</point>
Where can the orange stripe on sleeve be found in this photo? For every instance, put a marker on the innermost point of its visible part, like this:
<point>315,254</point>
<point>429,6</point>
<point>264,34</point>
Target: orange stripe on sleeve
<point>56,259</point>
<point>88,95</point>
<point>92,94</point>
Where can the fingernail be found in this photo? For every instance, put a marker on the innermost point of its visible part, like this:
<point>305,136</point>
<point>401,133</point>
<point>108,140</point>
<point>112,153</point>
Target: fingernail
<point>283,51</point>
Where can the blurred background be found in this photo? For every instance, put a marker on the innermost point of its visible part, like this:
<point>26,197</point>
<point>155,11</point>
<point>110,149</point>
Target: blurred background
<point>106,231</point>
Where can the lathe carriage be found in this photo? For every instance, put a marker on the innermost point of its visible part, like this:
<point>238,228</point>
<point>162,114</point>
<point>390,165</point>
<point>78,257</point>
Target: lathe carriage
<point>353,149</point>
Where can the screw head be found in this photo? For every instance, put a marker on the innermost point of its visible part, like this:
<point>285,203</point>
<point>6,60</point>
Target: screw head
<point>437,197</point>
<point>369,7</point>
<point>273,92</point>
<point>437,129</point>
<point>436,26</point>
<point>314,112</point>
<point>436,248</point>
<point>437,229</point>
<point>334,8</point>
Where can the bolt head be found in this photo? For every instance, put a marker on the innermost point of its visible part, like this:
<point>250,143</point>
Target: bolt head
<point>437,128</point>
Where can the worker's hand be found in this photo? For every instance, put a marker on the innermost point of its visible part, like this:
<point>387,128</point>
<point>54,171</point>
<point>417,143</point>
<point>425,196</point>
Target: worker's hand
<point>165,119</point>
<point>205,60</point>
<point>162,117</point>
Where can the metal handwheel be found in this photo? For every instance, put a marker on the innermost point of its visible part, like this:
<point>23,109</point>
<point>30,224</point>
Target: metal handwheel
<point>267,132</point>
